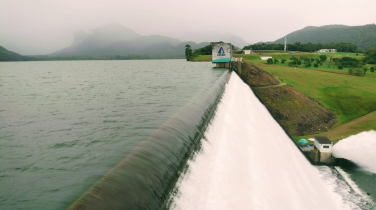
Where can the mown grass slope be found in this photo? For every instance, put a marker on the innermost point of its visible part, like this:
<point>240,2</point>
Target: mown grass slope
<point>347,96</point>
<point>296,113</point>
<point>351,98</point>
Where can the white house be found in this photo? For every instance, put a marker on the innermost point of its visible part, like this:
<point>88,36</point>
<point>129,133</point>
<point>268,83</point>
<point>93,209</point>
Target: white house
<point>327,51</point>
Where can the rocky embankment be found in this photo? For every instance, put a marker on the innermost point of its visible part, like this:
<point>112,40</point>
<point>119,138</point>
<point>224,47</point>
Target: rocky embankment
<point>295,112</point>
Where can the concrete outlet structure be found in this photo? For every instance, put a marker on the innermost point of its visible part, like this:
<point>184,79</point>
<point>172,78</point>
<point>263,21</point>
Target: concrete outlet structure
<point>323,149</point>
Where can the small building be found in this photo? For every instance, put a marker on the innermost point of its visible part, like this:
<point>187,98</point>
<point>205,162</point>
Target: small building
<point>248,52</point>
<point>264,58</point>
<point>323,146</point>
<point>327,51</point>
<point>221,54</point>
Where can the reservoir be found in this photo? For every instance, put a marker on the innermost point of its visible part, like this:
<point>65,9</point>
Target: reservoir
<point>64,124</point>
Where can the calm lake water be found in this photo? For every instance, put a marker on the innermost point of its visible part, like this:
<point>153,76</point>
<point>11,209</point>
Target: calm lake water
<point>64,124</point>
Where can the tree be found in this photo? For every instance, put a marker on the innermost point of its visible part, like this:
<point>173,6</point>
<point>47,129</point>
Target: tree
<point>207,50</point>
<point>270,60</point>
<point>276,60</point>
<point>283,60</point>
<point>315,65</point>
<point>323,58</point>
<point>372,69</point>
<point>188,52</point>
<point>370,56</point>
<point>340,67</point>
<point>365,69</point>
<point>358,72</point>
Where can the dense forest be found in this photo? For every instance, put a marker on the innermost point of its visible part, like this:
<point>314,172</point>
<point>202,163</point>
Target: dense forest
<point>364,37</point>
<point>304,47</point>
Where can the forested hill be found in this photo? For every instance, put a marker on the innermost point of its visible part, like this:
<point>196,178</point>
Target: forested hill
<point>364,37</point>
<point>6,55</point>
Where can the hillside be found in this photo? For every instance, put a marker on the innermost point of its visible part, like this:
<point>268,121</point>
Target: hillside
<point>364,37</point>
<point>296,113</point>
<point>6,55</point>
<point>351,98</point>
<point>117,40</point>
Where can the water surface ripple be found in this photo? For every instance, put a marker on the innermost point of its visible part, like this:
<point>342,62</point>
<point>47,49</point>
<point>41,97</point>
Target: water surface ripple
<point>64,124</point>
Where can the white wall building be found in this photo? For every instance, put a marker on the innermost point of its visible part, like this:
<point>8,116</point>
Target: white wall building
<point>323,144</point>
<point>248,52</point>
<point>264,58</point>
<point>327,51</point>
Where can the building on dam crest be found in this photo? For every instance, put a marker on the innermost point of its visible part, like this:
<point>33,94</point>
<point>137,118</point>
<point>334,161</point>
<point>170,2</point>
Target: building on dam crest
<point>221,54</point>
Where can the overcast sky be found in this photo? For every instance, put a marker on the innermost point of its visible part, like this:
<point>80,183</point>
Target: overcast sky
<point>44,26</point>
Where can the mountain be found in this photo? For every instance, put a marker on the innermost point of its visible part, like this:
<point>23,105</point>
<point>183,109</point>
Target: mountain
<point>364,37</point>
<point>215,37</point>
<point>117,40</point>
<point>6,55</point>
<point>106,34</point>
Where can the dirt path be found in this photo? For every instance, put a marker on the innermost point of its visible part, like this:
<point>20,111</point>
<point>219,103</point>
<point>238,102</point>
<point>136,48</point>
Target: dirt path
<point>349,128</point>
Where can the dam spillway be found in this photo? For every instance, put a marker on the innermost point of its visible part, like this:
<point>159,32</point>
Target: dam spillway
<point>248,162</point>
<point>222,151</point>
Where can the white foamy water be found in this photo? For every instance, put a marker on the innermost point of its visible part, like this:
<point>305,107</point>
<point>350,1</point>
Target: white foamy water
<point>340,182</point>
<point>360,148</point>
<point>248,162</point>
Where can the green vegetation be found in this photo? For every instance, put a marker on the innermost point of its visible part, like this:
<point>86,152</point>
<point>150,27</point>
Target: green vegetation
<point>348,97</point>
<point>363,37</point>
<point>338,63</point>
<point>6,55</point>
<point>188,52</point>
<point>297,113</point>
<point>202,58</point>
<point>370,56</point>
<point>304,47</point>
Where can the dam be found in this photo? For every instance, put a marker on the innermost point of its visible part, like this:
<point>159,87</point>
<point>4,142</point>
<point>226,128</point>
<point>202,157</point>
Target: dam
<point>248,162</point>
<point>104,140</point>
<point>242,159</point>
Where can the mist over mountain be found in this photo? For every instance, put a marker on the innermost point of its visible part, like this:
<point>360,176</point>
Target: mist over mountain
<point>117,40</point>
<point>214,37</point>
<point>106,34</point>
<point>364,37</point>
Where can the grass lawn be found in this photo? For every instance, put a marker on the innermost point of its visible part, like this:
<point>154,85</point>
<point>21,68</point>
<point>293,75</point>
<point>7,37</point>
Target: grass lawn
<point>364,123</point>
<point>347,96</point>
<point>203,58</point>
<point>351,98</point>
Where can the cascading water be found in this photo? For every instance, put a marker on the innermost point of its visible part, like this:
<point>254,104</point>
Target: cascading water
<point>360,149</point>
<point>146,176</point>
<point>248,162</point>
